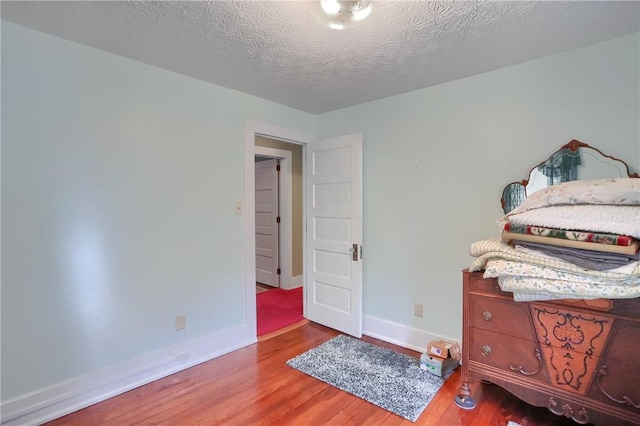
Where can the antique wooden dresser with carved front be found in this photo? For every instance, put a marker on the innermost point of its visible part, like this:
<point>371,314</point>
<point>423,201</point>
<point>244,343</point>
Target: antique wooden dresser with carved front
<point>580,359</point>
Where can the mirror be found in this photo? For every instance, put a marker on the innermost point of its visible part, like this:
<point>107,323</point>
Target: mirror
<point>573,161</point>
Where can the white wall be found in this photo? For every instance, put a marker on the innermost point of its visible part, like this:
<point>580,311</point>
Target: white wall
<point>436,161</point>
<point>119,182</point>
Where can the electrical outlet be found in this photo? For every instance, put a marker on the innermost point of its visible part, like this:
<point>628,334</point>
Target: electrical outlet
<point>417,310</point>
<point>181,322</point>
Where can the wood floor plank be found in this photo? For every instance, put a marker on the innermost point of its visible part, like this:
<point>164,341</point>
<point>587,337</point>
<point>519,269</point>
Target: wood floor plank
<point>254,386</point>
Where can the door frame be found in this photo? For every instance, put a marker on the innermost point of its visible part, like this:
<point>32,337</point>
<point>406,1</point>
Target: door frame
<point>285,206</point>
<point>253,129</point>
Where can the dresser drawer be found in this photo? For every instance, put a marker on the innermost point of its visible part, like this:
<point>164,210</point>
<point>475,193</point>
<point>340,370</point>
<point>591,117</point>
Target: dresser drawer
<point>490,285</point>
<point>616,384</point>
<point>500,316</point>
<point>627,307</point>
<point>519,356</point>
<point>617,378</point>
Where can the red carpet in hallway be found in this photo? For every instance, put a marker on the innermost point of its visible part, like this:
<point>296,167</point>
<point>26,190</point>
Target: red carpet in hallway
<point>278,308</point>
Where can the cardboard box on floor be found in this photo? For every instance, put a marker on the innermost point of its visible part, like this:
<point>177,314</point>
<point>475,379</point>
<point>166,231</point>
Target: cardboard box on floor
<point>444,348</point>
<point>442,356</point>
<point>436,365</point>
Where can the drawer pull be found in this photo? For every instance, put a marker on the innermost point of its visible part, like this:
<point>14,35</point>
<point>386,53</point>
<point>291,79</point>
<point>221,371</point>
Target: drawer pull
<point>486,315</point>
<point>486,350</point>
<point>566,410</point>
<point>520,370</point>
<point>625,399</point>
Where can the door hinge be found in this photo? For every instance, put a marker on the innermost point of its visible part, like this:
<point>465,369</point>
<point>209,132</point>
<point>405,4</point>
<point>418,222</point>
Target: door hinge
<point>278,271</point>
<point>278,219</point>
<point>277,167</point>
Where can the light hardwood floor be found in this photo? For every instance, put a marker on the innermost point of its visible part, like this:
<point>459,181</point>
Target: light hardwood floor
<point>254,386</point>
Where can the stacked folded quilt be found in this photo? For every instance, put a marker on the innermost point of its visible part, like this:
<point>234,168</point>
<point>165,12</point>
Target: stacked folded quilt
<point>576,240</point>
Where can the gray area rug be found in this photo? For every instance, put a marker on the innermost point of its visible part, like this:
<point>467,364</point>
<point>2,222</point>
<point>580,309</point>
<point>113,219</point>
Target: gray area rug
<point>383,377</point>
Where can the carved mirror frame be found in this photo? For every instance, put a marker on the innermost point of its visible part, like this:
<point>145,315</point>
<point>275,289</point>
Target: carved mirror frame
<point>548,172</point>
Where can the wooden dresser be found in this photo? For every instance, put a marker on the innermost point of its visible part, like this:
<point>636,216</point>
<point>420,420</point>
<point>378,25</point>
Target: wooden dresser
<point>580,359</point>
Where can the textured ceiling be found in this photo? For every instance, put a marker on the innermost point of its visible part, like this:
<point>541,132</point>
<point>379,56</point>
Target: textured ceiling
<point>276,50</point>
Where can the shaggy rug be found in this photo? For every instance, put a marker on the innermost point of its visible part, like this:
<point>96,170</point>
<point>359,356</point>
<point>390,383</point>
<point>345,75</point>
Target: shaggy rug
<point>383,377</point>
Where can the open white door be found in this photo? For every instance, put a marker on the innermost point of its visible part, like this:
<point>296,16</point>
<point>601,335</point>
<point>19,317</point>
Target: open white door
<point>334,233</point>
<point>267,222</point>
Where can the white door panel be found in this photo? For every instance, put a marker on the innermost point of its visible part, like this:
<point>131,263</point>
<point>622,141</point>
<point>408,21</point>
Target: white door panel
<point>334,220</point>
<point>266,214</point>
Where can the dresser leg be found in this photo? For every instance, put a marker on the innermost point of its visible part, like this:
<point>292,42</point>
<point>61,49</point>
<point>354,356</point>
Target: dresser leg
<point>464,399</point>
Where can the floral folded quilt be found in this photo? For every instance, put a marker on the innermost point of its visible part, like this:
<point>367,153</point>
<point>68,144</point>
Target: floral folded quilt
<point>566,234</point>
<point>484,250</point>
<point>532,277</point>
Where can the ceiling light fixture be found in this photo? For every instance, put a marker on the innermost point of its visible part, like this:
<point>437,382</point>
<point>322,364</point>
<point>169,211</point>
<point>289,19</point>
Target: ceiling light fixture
<point>342,13</point>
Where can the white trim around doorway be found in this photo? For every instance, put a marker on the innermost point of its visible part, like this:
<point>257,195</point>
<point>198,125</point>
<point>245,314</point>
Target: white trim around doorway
<point>253,129</point>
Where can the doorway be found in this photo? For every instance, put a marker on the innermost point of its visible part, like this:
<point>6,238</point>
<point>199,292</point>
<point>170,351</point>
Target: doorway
<point>282,306</point>
<point>290,205</point>
<point>324,298</point>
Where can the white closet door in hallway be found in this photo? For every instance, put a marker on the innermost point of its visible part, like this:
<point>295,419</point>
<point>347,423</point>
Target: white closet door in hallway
<point>267,222</point>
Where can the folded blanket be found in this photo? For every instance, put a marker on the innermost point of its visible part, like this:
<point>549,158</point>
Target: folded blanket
<point>611,219</point>
<point>572,214</point>
<point>541,283</point>
<point>569,234</point>
<point>534,296</point>
<point>484,250</point>
<point>607,248</point>
<point>567,290</point>
<point>589,259</point>
<point>499,268</point>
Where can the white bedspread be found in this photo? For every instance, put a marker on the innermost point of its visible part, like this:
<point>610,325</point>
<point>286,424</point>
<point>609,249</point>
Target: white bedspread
<point>601,205</point>
<point>618,191</point>
<point>619,220</point>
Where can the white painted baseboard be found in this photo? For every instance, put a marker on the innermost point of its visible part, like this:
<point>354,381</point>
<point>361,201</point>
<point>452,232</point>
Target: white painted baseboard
<point>296,281</point>
<point>63,398</point>
<point>66,397</point>
<point>398,334</point>
<point>292,282</point>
